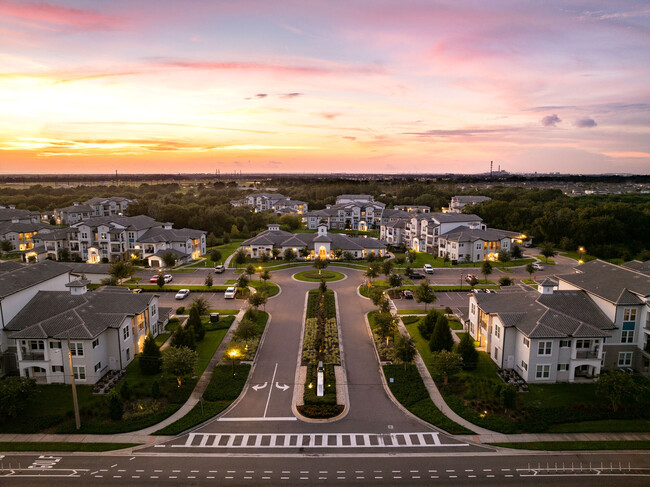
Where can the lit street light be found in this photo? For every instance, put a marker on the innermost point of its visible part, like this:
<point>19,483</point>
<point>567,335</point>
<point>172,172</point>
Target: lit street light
<point>233,355</point>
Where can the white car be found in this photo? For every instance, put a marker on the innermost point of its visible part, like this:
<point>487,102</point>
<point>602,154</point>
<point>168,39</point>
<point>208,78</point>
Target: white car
<point>428,269</point>
<point>182,294</point>
<point>168,278</point>
<point>538,267</point>
<point>230,292</point>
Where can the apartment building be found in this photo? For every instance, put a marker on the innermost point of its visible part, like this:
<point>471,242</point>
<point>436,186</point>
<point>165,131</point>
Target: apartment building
<point>272,202</point>
<point>465,244</point>
<point>94,207</point>
<point>351,212</point>
<point>457,203</point>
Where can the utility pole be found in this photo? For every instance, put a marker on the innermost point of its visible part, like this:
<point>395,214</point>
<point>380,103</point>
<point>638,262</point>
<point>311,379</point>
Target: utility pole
<point>77,419</point>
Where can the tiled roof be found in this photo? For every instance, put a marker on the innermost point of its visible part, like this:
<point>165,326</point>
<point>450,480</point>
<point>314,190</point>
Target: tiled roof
<point>57,314</point>
<point>466,234</point>
<point>637,265</point>
<point>452,217</point>
<point>626,297</point>
<point>24,277</point>
<point>9,266</point>
<point>608,280</point>
<point>158,234</point>
<point>280,238</point>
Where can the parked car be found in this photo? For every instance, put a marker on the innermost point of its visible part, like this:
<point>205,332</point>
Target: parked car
<point>490,291</point>
<point>230,292</point>
<point>168,278</point>
<point>428,268</point>
<point>137,290</point>
<point>417,275</point>
<point>182,294</point>
<point>407,294</point>
<point>219,268</point>
<point>471,279</point>
<point>478,291</point>
<point>538,267</point>
<point>153,279</point>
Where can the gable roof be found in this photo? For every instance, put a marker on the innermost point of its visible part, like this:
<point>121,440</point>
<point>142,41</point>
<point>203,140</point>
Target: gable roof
<point>607,281</point>
<point>451,217</point>
<point>280,238</point>
<point>637,265</point>
<point>24,277</point>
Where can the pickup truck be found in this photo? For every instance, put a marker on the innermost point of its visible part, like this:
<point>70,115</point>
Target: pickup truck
<point>219,268</point>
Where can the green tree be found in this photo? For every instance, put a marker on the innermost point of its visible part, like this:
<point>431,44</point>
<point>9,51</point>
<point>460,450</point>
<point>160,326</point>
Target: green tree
<point>404,350</point>
<point>115,406</point>
<point>428,324</point>
<point>257,299</point>
<point>183,337</point>
<point>548,251</point>
<point>169,259</point>
<point>15,393</point>
<point>516,252</point>
<point>486,269</point>
<point>385,325</point>
<point>240,257</point>
<point>424,294</point>
<point>337,253</point>
<point>242,281</point>
<point>395,280</point>
<point>179,362</point>
<point>386,268</point>
<point>276,253</point>
<point>195,324</point>
<point>347,255</point>
<point>505,281</point>
<point>264,257</point>
<point>211,240</point>
<point>618,387</point>
<point>64,254</point>
<point>371,257</point>
<point>505,256</point>
<point>376,295</point>
<point>209,281</point>
<point>160,281</point>
<point>247,330</point>
<point>408,271</point>
<point>320,264</point>
<point>150,357</point>
<point>467,351</point>
<point>201,305</point>
<point>289,255</point>
<point>445,364</point>
<point>371,272</point>
<point>250,270</point>
<point>530,268</point>
<point>121,270</point>
<point>304,252</point>
<point>411,256</point>
<point>322,287</point>
<point>215,255</point>
<point>6,246</point>
<point>441,338</point>
<point>265,275</point>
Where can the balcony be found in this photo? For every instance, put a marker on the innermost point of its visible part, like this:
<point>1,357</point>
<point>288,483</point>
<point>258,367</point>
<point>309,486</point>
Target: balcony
<point>586,354</point>
<point>35,355</point>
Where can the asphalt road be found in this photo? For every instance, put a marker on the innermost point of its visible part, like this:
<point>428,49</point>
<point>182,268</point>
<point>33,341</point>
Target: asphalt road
<point>259,439</point>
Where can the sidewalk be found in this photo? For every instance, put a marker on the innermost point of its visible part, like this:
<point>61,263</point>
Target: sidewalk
<point>145,435</point>
<point>535,437</point>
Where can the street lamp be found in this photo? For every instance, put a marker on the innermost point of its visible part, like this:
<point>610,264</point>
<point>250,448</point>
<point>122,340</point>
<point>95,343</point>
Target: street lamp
<point>233,354</point>
<point>260,271</point>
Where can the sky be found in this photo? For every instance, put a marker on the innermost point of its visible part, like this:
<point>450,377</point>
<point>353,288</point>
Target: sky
<point>376,86</point>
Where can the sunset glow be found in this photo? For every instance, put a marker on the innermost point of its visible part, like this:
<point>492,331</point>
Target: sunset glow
<point>293,86</point>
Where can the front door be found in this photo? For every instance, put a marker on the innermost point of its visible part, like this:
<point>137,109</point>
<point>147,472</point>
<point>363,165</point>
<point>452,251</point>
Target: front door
<point>511,361</point>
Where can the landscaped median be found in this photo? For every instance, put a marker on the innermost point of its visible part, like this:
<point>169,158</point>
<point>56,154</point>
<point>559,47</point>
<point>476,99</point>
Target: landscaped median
<point>315,276</point>
<point>320,344</point>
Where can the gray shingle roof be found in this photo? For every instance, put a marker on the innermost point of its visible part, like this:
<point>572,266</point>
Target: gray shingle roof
<point>57,314</point>
<point>466,234</point>
<point>9,266</point>
<point>158,234</point>
<point>451,217</point>
<point>608,280</point>
<point>280,238</point>
<point>24,277</point>
<point>637,265</point>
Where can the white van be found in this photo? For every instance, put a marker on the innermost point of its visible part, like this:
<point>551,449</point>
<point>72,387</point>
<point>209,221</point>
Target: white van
<point>428,269</point>
<point>230,293</point>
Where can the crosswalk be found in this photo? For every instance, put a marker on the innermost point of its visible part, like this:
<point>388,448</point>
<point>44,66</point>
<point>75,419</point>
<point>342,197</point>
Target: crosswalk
<point>314,440</point>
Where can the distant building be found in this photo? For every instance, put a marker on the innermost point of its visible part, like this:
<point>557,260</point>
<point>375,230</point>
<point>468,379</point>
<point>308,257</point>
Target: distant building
<point>459,202</point>
<point>351,212</point>
<point>272,202</point>
<point>464,244</point>
<point>414,208</point>
<point>112,206</point>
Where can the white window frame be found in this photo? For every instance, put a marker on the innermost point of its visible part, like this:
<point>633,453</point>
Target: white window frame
<point>625,359</point>
<point>98,366</point>
<point>96,343</point>
<point>565,343</point>
<point>77,349</point>
<point>55,344</point>
<point>627,336</point>
<point>544,349</point>
<point>126,332</point>
<point>562,367</point>
<point>543,372</point>
<point>527,342</point>
<point>79,372</point>
<point>524,365</point>
<point>629,314</point>
<point>57,369</point>
<point>497,331</point>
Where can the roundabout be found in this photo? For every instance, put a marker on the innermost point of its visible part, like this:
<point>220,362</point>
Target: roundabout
<point>314,276</point>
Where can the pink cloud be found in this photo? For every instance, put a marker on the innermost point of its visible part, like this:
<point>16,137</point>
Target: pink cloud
<point>52,17</point>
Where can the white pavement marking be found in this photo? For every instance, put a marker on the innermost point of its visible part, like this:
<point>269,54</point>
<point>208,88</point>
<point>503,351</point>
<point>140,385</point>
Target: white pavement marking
<point>271,418</point>
<point>315,440</point>
<point>259,386</point>
<point>268,399</point>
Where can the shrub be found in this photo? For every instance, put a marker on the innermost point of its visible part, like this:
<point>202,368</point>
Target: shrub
<point>155,389</point>
<point>441,338</point>
<point>115,405</point>
<point>468,352</point>
<point>150,357</point>
<point>125,391</point>
<point>505,281</point>
<point>195,324</point>
<point>428,324</point>
<point>15,392</point>
<point>180,310</point>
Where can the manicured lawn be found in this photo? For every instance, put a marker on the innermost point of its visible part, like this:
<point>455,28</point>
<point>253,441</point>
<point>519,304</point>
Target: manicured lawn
<point>575,255</point>
<point>207,347</point>
<point>548,261</point>
<point>62,446</point>
<point>225,250</point>
<point>182,271</point>
<point>455,325</point>
<point>603,426</point>
<point>410,312</point>
<point>577,445</point>
<point>271,288</point>
<point>224,311</point>
<point>162,338</point>
<point>379,284</point>
<point>423,258</point>
<point>406,385</point>
<point>174,288</point>
<point>314,276</point>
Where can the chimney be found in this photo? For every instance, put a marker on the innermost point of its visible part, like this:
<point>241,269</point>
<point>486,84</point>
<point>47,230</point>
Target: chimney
<point>547,287</point>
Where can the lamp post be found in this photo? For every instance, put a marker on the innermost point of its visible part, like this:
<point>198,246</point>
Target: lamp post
<point>582,252</point>
<point>233,354</point>
<point>259,269</point>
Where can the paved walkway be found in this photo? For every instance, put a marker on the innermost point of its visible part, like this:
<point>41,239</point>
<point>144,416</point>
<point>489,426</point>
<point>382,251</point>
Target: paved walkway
<point>530,437</point>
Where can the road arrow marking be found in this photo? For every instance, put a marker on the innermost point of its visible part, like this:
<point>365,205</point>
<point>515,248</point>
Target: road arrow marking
<point>260,386</point>
<point>283,387</point>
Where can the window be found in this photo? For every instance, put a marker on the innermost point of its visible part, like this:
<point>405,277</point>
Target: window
<point>57,368</point>
<point>98,366</point>
<point>627,336</point>
<point>153,309</point>
<point>77,349</point>
<point>526,342</point>
<point>96,343</point>
<point>562,367</point>
<point>543,372</point>
<point>473,308</point>
<point>624,359</point>
<point>629,314</point>
<point>565,343</point>
<point>79,373</point>
<point>126,332</point>
<point>37,345</point>
<point>55,344</point>
<point>545,348</point>
<point>497,331</point>
<point>128,354</point>
<point>524,365</point>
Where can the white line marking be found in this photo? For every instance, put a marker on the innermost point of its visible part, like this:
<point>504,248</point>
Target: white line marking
<point>268,399</point>
<point>270,418</point>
